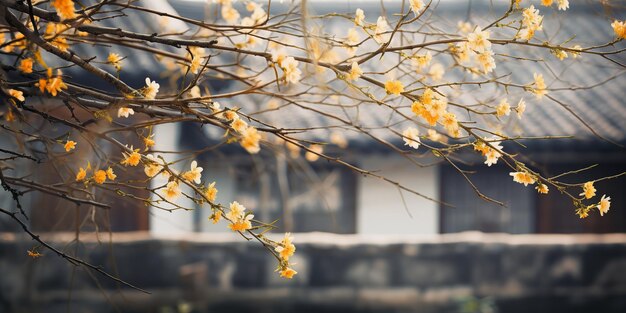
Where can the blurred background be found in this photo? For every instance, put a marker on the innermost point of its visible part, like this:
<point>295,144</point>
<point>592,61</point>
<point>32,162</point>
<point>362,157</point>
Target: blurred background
<point>363,245</point>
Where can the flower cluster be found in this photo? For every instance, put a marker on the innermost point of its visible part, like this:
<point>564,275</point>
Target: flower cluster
<point>131,158</point>
<point>523,177</point>
<point>291,70</point>
<point>26,66</point>
<point>285,249</point>
<point>69,145</point>
<point>589,191</point>
<point>394,87</point>
<point>538,87</point>
<point>64,8</point>
<point>430,106</point>
<point>99,176</point>
<point>531,22</point>
<point>490,151</point>
<point>477,46</point>
<point>561,4</point>
<point>151,89</point>
<point>619,27</point>
<point>115,60</point>
<point>239,219</point>
<point>53,85</point>
<point>411,137</point>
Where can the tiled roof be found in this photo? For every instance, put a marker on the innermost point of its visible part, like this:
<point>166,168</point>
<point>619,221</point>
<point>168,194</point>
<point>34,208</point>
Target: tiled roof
<point>603,108</point>
<point>137,64</point>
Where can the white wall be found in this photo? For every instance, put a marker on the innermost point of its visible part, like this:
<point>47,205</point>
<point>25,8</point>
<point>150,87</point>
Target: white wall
<point>161,221</point>
<point>380,209</point>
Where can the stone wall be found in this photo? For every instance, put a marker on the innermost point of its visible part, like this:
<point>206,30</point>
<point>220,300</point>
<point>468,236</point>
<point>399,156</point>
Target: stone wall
<point>223,273</point>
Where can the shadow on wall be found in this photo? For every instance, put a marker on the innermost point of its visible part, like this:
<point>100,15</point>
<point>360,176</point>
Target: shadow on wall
<point>468,272</point>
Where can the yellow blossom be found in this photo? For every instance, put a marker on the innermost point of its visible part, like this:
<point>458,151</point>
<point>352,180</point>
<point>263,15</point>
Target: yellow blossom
<point>237,211</point>
<point>148,142</point>
<point>194,174</point>
<point>17,94</point>
<point>559,54</point>
<point>61,43</point>
<point>239,125</point>
<point>478,40</point>
<point>430,106</point>
<point>291,70</point>
<point>26,66</point>
<point>433,135</point>
<point>251,6</point>
<point>152,167</point>
<point>576,54</point>
<point>394,87</point>
<point>64,8</point>
<point>250,138</point>
<point>521,108</point>
<point>381,31</point>
<point>416,6</point>
<point>604,205</point>
<point>589,191</point>
<point>359,17</point>
<point>110,174</point>
<point>523,178</point>
<point>171,191</point>
<point>33,254</point>
<point>619,27</point>
<point>582,212</point>
<point>100,176</point>
<point>211,192</point>
<point>230,115</point>
<point>196,55</point>
<point>462,51</point>
<point>451,124</point>
<point>69,145</point>
<point>531,22</point>
<point>82,173</point>
<point>542,188</point>
<point>491,151</point>
<point>421,61</point>
<point>125,112</point>
<point>285,247</point>
<point>355,71</point>
<point>486,61</point>
<point>56,84</point>
<point>563,4</point>
<point>240,221</point>
<point>132,158</point>
<point>503,108</point>
<point>411,137</point>
<point>539,86</point>
<point>526,34</point>
<point>216,216</point>
<point>151,89</point>
<point>352,40</point>
<point>52,84</point>
<point>115,60</point>
<point>546,3</point>
<point>288,273</point>
<point>230,14</point>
